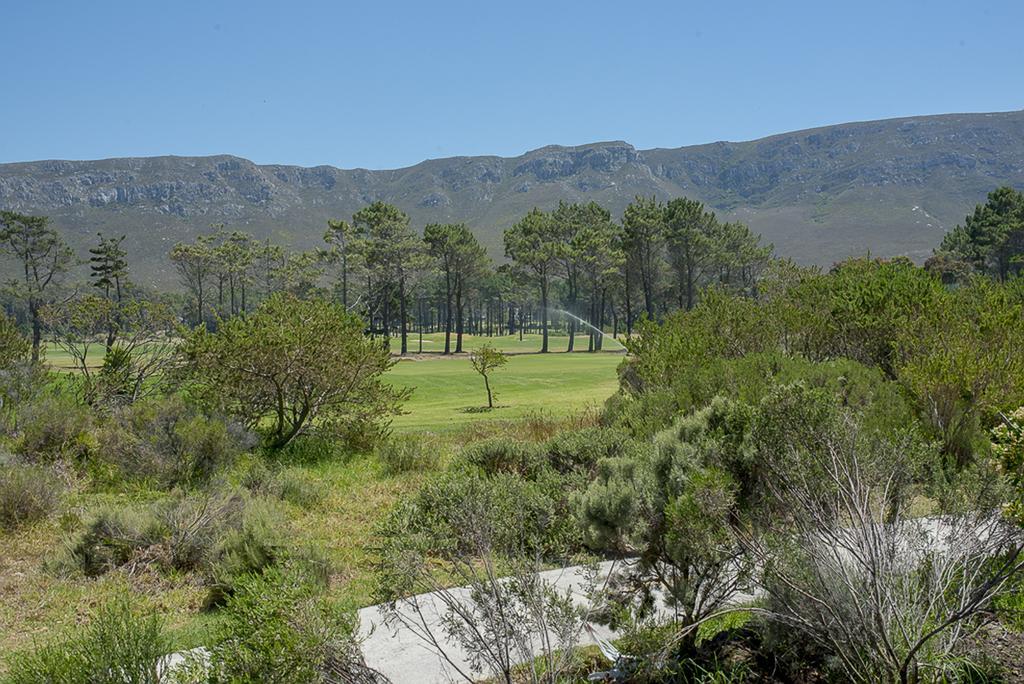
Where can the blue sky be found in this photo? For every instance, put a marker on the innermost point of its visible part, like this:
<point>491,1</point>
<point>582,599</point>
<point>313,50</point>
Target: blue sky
<point>387,84</point>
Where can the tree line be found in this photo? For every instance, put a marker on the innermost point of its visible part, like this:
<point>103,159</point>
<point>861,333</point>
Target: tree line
<point>573,264</point>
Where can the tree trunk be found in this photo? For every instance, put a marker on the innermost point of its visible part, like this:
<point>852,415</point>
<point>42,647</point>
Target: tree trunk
<point>344,279</point>
<point>199,303</point>
<point>447,314</point>
<point>458,316</point>
<point>648,297</point>
<point>37,330</point>
<point>592,339</point>
<point>689,288</point>
<point>282,438</point>
<point>571,305</point>
<point>544,313</point>
<point>403,324</point>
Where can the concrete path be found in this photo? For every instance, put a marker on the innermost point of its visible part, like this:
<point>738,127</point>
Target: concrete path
<point>402,656</point>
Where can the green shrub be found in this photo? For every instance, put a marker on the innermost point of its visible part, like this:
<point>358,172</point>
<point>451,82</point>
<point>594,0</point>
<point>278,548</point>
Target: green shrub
<point>255,544</point>
<point>170,442</point>
<point>879,402</point>
<point>641,415</point>
<point>118,646</point>
<point>311,450</point>
<point>183,533</point>
<point>112,537</point>
<point>504,455</point>
<point>294,366</point>
<point>657,660</point>
<point>1009,606</point>
<point>464,511</point>
<point>27,493</point>
<point>295,486</point>
<point>580,450</point>
<point>406,453</point>
<point>222,537</point>
<point>278,629</point>
<point>54,427</point>
<point>291,485</point>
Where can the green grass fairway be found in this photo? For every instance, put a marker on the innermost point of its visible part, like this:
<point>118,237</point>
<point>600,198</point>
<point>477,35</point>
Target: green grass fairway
<point>60,360</point>
<point>449,394</point>
<point>434,342</point>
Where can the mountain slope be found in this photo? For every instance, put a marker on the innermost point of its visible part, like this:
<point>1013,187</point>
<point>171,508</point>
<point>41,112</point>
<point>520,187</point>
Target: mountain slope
<point>889,187</point>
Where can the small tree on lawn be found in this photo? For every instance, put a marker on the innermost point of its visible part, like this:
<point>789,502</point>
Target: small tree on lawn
<point>291,366</point>
<point>485,360</point>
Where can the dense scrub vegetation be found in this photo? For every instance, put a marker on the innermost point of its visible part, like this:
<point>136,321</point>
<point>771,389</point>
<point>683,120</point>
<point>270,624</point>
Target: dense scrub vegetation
<point>805,475</point>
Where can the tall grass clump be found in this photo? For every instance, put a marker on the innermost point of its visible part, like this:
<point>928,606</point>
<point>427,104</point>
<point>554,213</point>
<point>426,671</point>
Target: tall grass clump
<point>119,645</point>
<point>277,627</point>
<point>406,453</point>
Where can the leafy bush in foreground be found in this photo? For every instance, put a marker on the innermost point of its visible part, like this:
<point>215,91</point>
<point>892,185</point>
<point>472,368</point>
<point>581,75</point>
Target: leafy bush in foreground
<point>671,505</point>
<point>451,512</point>
<point>504,455</point>
<point>579,451</point>
<point>291,367</point>
<point>406,453</point>
<point>289,484</point>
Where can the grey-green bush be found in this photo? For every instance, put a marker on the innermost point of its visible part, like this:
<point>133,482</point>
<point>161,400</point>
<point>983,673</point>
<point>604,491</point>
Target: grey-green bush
<point>464,509</point>
<point>294,486</point>
<point>503,455</point>
<point>578,451</point>
<point>168,441</point>
<point>54,427</point>
<point>222,537</point>
<point>291,485</point>
<point>27,493</point>
<point>256,543</point>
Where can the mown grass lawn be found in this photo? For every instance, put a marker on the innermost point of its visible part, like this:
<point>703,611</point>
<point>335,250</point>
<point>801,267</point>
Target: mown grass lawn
<point>557,342</point>
<point>449,394</point>
<point>432,344</point>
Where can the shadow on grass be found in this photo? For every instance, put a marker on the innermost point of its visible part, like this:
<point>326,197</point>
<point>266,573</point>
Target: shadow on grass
<point>480,409</point>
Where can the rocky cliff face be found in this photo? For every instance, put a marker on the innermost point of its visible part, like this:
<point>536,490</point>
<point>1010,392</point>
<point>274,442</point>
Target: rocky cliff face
<point>888,187</point>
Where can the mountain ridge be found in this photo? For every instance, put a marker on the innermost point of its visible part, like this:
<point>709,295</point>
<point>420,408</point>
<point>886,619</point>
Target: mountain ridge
<point>887,187</point>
